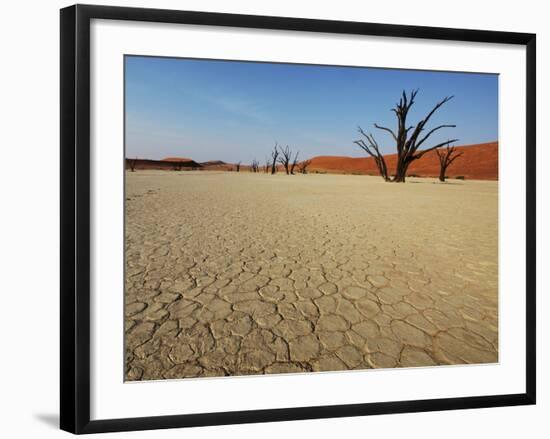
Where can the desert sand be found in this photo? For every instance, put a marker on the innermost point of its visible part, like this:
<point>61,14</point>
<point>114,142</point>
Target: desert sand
<point>239,273</point>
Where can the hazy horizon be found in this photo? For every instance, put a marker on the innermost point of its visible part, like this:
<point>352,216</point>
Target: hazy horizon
<point>236,111</point>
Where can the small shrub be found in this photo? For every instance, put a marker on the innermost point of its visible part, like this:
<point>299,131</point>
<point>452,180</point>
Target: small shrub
<point>460,177</point>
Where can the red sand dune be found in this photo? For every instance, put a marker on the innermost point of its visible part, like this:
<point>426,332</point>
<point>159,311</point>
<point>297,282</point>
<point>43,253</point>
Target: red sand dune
<point>478,162</point>
<point>176,159</point>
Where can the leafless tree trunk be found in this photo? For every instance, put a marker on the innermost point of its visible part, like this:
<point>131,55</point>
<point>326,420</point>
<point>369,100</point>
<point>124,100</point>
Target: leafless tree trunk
<point>133,165</point>
<point>238,166</point>
<point>446,157</point>
<point>254,167</point>
<point>408,139</point>
<point>302,166</point>
<point>267,165</point>
<point>294,163</point>
<point>371,148</point>
<point>285,157</point>
<point>274,155</point>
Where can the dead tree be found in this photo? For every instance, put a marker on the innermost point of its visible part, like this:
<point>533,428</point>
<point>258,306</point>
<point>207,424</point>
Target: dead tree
<point>371,148</point>
<point>255,166</point>
<point>285,157</point>
<point>446,157</point>
<point>274,155</point>
<point>302,166</point>
<point>238,166</point>
<point>267,165</point>
<point>408,139</point>
<point>133,164</point>
<point>294,163</point>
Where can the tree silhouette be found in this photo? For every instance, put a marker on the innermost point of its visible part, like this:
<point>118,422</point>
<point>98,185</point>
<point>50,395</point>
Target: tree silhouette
<point>284,158</point>
<point>294,163</point>
<point>372,149</point>
<point>408,139</point>
<point>302,166</point>
<point>254,166</point>
<point>274,155</point>
<point>446,157</point>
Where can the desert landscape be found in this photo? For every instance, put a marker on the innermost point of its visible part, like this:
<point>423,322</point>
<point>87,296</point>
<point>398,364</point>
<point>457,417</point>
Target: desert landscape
<point>367,239</point>
<point>478,162</point>
<point>249,273</point>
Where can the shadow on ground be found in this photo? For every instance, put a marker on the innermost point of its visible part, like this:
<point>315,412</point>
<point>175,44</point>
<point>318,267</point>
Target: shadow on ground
<point>454,183</point>
<point>49,419</point>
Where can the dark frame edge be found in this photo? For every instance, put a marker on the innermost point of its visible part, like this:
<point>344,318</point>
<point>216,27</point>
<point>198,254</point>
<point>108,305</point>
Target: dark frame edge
<point>303,24</point>
<point>531,220</point>
<point>303,413</point>
<point>75,220</point>
<point>68,388</point>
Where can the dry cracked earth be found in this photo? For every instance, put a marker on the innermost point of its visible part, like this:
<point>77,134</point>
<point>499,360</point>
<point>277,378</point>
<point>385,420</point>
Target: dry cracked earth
<point>241,273</point>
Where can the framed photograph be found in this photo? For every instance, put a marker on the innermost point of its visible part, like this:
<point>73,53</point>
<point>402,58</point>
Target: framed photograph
<point>268,218</point>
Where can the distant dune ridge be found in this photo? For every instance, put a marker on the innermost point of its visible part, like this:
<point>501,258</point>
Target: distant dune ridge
<point>170,163</point>
<point>478,162</point>
<point>176,159</point>
<point>214,163</point>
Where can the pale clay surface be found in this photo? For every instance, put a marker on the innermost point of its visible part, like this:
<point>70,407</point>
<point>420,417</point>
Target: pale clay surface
<point>241,273</point>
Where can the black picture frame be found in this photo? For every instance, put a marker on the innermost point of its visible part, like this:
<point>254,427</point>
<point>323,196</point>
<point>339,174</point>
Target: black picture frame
<point>75,217</point>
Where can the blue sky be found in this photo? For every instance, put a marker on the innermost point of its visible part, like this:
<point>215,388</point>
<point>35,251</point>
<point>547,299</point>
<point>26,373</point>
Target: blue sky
<point>236,111</point>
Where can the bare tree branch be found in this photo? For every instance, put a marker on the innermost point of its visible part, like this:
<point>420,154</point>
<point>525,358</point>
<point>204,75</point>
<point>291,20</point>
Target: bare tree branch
<point>421,141</point>
<point>284,158</point>
<point>294,163</point>
<point>446,157</point>
<point>373,150</point>
<point>439,145</point>
<point>274,155</point>
<point>386,129</point>
<point>255,166</point>
<point>302,166</point>
<point>407,137</point>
